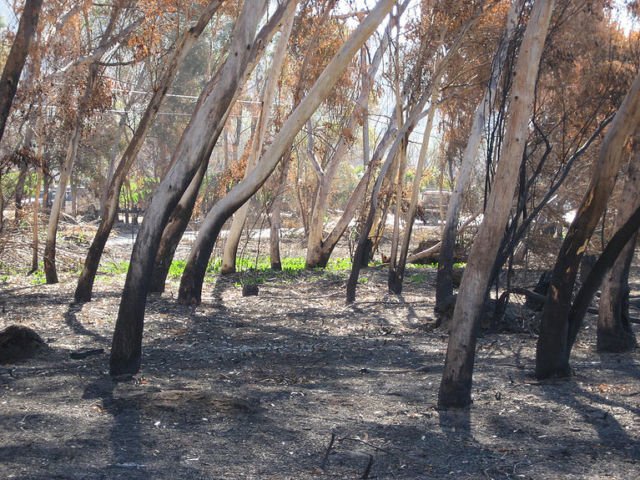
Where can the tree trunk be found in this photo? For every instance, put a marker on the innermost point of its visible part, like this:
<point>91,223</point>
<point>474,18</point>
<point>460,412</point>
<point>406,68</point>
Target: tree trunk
<point>173,232</point>
<point>191,284</point>
<point>614,325</point>
<point>84,288</point>
<point>35,227</point>
<point>398,274</point>
<point>614,328</point>
<point>194,148</point>
<point>318,248</point>
<point>444,282</point>
<point>455,387</point>
<point>49,257</point>
<point>17,57</point>
<point>416,114</point>
<point>268,94</point>
<point>179,219</point>
<point>553,349</point>
<point>275,218</point>
<point>19,193</point>
<point>398,170</point>
<point>611,253</point>
<point>364,244</point>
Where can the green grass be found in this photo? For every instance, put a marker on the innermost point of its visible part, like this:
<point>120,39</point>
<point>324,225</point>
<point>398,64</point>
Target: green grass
<point>115,268</point>
<point>38,278</point>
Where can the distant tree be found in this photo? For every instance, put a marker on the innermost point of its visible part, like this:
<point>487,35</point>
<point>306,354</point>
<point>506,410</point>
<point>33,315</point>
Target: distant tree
<point>17,57</point>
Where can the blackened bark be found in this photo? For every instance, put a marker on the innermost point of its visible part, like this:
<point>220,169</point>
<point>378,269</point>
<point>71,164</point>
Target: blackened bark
<point>173,232</point>
<point>552,352</point>
<point>590,286</point>
<point>196,144</point>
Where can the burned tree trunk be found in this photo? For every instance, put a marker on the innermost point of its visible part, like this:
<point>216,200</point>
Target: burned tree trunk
<point>455,387</point>
<point>194,147</point>
<point>84,288</point>
<point>191,283</point>
<point>553,349</point>
<point>614,328</point>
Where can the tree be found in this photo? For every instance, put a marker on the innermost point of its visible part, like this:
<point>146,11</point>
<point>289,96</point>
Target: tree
<point>85,282</point>
<point>179,219</point>
<point>553,348</point>
<point>193,276</point>
<point>614,327</point>
<point>455,387</point>
<point>17,57</point>
<point>444,282</point>
<point>319,246</point>
<point>110,38</point>
<point>268,93</point>
<point>195,146</point>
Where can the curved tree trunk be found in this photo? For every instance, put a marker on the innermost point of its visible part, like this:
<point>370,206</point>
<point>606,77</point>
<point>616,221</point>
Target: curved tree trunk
<point>49,256</point>
<point>398,274</point>
<point>179,219</point>
<point>191,283</point>
<point>318,248</point>
<point>444,282</point>
<point>553,349</point>
<point>614,328</point>
<point>17,58</point>
<point>194,148</point>
<point>455,387</point>
<point>84,288</point>
<point>173,232</point>
<point>625,235</point>
<point>614,325</point>
<point>268,94</point>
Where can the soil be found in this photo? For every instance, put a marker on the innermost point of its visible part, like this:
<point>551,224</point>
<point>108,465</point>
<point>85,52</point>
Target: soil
<point>294,384</point>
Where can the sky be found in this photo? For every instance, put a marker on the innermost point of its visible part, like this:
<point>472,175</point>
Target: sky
<point>6,12</point>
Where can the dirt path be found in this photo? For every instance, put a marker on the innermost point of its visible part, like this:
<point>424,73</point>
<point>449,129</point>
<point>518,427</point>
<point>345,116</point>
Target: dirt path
<point>260,387</point>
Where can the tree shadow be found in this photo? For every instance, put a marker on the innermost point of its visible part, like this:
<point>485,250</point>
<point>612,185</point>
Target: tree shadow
<point>76,326</point>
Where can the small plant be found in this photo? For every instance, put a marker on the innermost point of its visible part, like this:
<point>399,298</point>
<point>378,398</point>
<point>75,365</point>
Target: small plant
<point>38,278</point>
<point>176,269</point>
<point>115,268</point>
<point>339,264</point>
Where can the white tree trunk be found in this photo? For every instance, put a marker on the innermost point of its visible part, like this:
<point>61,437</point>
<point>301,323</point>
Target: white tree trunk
<point>444,285</point>
<point>191,284</point>
<point>455,387</point>
<point>268,94</point>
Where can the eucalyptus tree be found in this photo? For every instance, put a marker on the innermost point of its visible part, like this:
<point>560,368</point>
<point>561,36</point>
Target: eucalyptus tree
<point>194,148</point>
<point>455,387</point>
<point>110,38</point>
<point>108,215</point>
<point>554,343</point>
<point>17,58</point>
<point>614,333</point>
<point>193,276</point>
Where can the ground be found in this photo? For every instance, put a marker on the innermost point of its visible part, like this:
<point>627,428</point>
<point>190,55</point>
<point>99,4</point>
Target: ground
<point>294,384</point>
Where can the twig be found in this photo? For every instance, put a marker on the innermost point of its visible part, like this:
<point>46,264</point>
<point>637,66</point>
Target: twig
<point>328,452</point>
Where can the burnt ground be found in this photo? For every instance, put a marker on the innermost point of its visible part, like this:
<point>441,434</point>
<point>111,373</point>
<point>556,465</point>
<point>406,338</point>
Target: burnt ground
<point>294,384</point>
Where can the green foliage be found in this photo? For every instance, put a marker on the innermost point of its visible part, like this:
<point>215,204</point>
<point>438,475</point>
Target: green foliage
<point>176,269</point>
<point>115,268</point>
<point>38,278</point>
